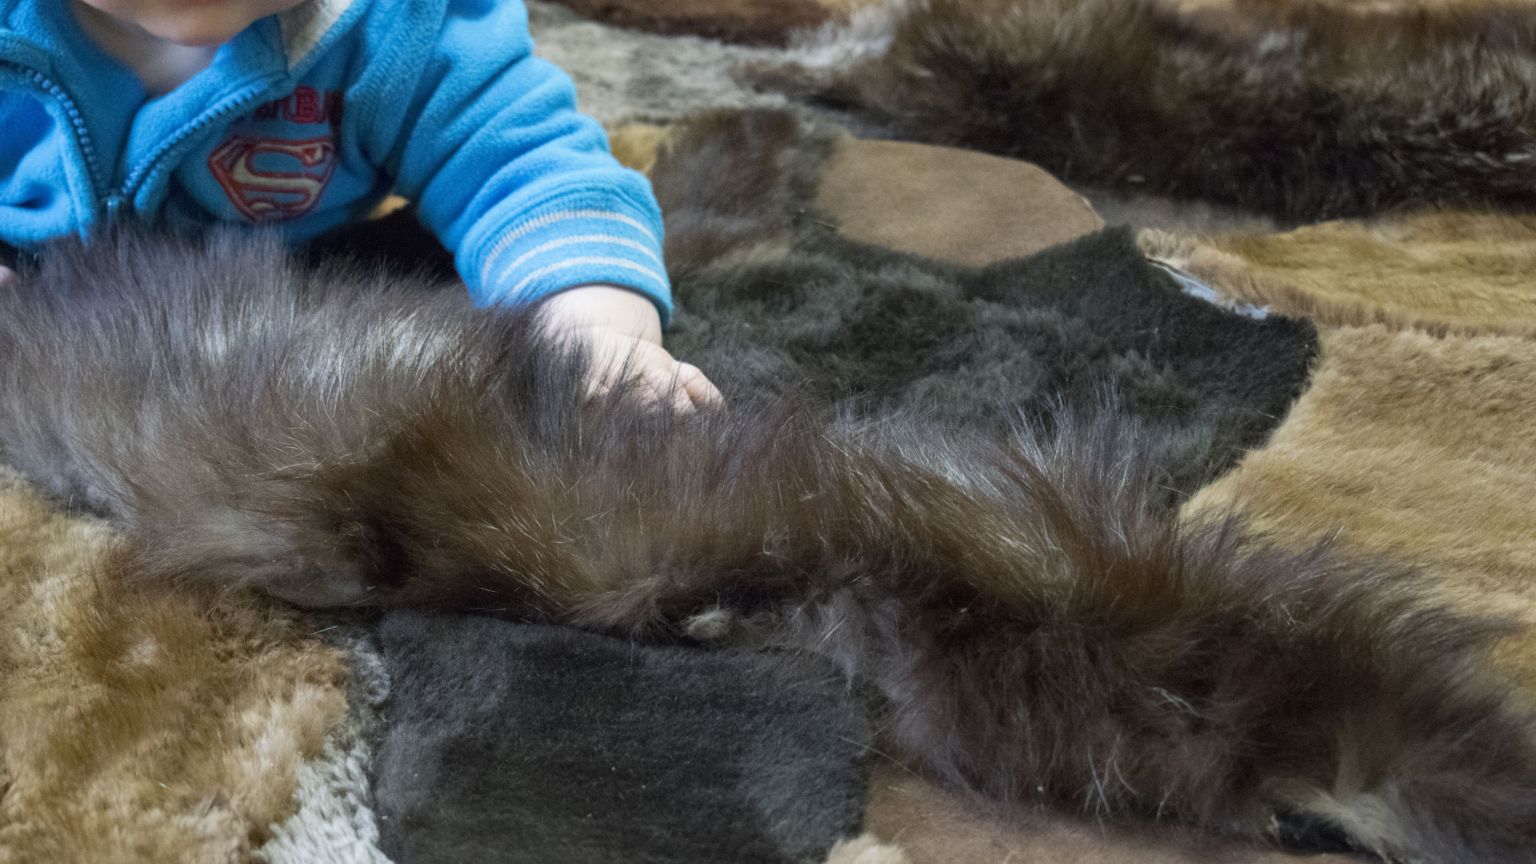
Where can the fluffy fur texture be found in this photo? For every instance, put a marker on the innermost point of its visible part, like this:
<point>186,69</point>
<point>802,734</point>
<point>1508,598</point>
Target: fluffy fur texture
<point>757,22</point>
<point>1301,110</point>
<point>139,724</point>
<point>1418,445</point>
<point>545,745</point>
<point>1036,630</point>
<point>1450,272</point>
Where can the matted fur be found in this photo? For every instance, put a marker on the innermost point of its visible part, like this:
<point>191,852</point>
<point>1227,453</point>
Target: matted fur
<point>138,724</point>
<point>1447,272</point>
<point>1037,631</point>
<point>1300,110</point>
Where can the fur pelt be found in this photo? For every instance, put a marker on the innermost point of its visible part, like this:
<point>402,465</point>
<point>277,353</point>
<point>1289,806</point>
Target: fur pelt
<point>1037,631</point>
<point>1300,110</point>
<point>752,22</point>
<point>1414,444</point>
<point>1442,272</point>
<point>139,724</point>
<point>521,744</point>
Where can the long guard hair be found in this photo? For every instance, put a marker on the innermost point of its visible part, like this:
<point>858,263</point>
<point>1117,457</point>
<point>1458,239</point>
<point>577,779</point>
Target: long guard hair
<point>1038,632</point>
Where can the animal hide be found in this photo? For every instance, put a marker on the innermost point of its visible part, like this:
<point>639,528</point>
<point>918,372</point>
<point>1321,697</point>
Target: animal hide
<point>138,724</point>
<point>1446,272</point>
<point>663,754</point>
<point>1418,445</point>
<point>753,22</point>
<point>1300,110</point>
<point>1036,630</point>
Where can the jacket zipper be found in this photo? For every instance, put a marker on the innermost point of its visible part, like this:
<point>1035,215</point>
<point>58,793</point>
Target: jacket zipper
<point>114,201</point>
<point>146,167</point>
<point>76,121</point>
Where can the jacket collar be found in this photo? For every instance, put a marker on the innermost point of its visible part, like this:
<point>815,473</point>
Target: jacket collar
<point>313,23</point>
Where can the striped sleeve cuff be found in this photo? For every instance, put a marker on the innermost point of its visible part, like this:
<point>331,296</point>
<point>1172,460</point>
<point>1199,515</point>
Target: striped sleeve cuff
<point>568,243</point>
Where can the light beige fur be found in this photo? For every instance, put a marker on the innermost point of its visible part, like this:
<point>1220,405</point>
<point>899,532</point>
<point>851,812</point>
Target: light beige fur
<point>1445,272</point>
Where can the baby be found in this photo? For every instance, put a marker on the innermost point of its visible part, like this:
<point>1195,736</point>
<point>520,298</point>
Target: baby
<point>305,113</point>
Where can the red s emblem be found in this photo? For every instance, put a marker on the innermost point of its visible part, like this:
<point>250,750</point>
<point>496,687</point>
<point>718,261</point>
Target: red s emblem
<point>270,179</point>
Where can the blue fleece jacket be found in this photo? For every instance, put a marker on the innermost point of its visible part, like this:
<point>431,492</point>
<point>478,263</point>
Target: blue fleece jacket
<point>307,119</point>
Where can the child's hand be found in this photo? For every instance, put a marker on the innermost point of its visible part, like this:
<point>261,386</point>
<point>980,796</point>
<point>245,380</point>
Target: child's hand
<point>621,331</point>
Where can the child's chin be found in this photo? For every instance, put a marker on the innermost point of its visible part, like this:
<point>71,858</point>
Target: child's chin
<point>198,27</point>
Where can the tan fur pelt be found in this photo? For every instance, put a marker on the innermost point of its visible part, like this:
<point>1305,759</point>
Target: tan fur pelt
<point>1416,445</point>
<point>138,725</point>
<point>1443,272</point>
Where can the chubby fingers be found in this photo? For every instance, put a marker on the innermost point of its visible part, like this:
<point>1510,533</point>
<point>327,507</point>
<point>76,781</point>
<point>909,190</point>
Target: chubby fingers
<point>698,389</point>
<point>681,385</point>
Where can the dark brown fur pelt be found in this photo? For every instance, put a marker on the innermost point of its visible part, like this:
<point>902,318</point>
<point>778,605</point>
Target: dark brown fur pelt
<point>1299,110</point>
<point>751,22</point>
<point>1038,631</point>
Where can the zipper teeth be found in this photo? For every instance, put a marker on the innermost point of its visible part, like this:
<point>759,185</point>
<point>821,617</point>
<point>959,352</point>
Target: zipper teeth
<point>148,166</point>
<point>76,120</point>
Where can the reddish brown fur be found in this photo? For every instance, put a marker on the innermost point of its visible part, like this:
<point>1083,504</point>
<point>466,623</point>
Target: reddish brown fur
<point>1039,631</point>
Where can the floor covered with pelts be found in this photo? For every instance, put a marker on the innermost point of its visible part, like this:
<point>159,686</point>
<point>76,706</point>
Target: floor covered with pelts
<point>1296,234</point>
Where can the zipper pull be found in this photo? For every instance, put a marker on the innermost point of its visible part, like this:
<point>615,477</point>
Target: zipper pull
<point>114,207</point>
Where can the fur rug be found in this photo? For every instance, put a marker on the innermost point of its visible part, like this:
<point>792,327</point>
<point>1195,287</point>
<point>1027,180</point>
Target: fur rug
<point>1303,111</point>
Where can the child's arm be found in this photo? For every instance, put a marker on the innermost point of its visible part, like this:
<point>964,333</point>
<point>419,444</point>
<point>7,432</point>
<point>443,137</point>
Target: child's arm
<point>622,332</point>
<point>485,137</point>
